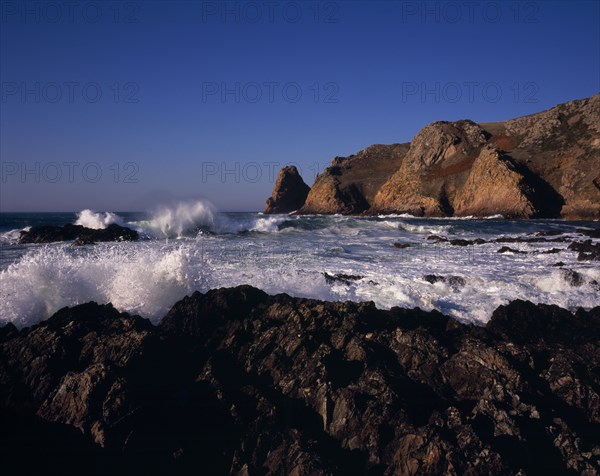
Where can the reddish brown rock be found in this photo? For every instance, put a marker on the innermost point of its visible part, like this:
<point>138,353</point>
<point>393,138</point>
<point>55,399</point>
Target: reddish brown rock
<point>289,192</point>
<point>494,186</point>
<point>350,184</point>
<point>542,165</point>
<point>436,166</point>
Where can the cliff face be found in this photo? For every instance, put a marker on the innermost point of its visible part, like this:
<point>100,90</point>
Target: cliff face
<point>289,192</point>
<point>350,184</point>
<point>561,149</point>
<point>494,186</point>
<point>238,382</point>
<point>436,166</point>
<point>542,165</point>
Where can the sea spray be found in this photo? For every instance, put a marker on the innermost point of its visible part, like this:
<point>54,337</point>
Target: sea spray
<point>143,279</point>
<point>181,218</point>
<point>290,254</point>
<point>97,221</point>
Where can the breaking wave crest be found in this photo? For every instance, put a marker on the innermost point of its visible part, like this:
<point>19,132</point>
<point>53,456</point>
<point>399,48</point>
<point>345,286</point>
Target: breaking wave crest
<point>144,280</point>
<point>181,219</point>
<point>97,221</point>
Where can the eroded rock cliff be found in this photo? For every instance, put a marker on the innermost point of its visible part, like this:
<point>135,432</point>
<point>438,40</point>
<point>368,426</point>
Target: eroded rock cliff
<point>541,165</point>
<point>350,184</point>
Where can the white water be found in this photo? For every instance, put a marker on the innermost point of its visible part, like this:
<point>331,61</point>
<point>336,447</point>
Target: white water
<point>144,280</point>
<point>291,254</point>
<point>97,221</point>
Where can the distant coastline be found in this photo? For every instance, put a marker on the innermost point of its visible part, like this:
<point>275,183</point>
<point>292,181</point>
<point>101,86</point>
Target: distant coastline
<point>544,165</point>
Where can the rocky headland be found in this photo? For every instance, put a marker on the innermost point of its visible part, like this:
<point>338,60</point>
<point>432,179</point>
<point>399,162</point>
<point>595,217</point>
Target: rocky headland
<point>544,165</point>
<point>238,382</point>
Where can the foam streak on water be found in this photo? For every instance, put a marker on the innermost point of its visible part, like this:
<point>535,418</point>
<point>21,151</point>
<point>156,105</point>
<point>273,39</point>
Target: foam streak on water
<point>292,254</point>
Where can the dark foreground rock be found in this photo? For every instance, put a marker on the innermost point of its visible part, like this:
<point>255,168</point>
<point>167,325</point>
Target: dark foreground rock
<point>80,234</point>
<point>238,382</point>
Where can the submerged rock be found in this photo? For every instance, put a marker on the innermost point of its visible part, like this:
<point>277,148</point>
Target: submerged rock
<point>235,381</point>
<point>589,233</point>
<point>341,277</point>
<point>573,277</point>
<point>588,251</point>
<point>81,234</point>
<point>506,249</point>
<point>454,281</point>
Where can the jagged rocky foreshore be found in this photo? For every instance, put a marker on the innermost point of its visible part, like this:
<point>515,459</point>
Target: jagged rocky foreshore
<point>545,165</point>
<point>235,381</point>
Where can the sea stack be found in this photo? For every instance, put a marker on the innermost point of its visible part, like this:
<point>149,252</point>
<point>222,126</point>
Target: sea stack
<point>289,192</point>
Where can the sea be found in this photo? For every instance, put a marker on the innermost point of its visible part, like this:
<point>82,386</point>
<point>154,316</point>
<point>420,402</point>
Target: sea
<point>191,246</point>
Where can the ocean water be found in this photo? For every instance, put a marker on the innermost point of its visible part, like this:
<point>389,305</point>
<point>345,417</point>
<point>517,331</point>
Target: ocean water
<point>191,246</point>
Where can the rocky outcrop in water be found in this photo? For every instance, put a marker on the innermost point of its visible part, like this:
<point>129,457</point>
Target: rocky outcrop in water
<point>541,165</point>
<point>238,382</point>
<point>289,192</point>
<point>81,234</point>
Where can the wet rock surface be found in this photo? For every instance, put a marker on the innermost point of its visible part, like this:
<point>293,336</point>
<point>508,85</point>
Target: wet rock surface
<point>455,281</point>
<point>81,234</point>
<point>508,249</point>
<point>235,381</point>
<point>588,251</point>
<point>341,277</point>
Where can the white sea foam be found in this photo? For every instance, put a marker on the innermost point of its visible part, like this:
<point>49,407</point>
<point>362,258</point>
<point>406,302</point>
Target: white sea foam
<point>181,218</point>
<point>425,229</point>
<point>12,236</point>
<point>148,277</point>
<point>267,225</point>
<point>396,215</point>
<point>134,278</point>
<point>97,221</point>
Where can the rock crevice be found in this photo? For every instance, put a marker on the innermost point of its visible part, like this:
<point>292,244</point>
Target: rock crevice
<point>235,381</point>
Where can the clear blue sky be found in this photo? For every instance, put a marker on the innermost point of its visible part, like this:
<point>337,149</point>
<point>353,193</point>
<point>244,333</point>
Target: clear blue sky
<point>200,99</point>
